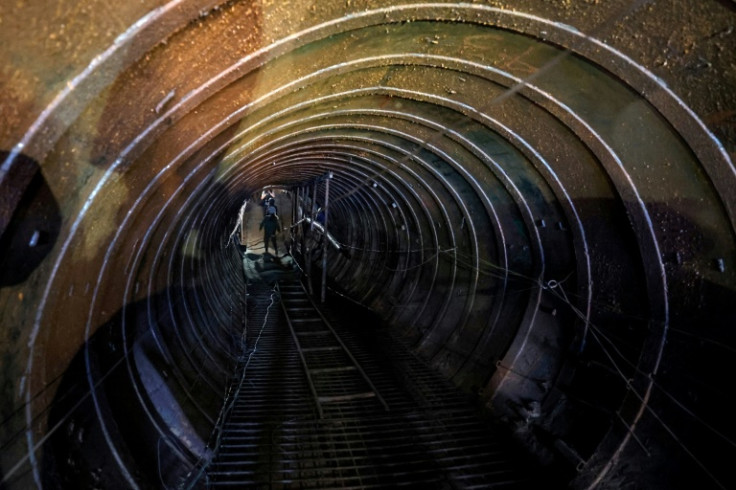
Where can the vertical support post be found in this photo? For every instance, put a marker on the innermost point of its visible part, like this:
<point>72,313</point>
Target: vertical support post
<point>295,215</point>
<point>324,238</point>
<point>292,236</point>
<point>313,206</point>
<point>302,237</point>
<point>242,222</point>
<point>312,211</point>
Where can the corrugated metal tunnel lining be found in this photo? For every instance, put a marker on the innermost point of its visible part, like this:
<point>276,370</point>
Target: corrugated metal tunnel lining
<point>522,196</point>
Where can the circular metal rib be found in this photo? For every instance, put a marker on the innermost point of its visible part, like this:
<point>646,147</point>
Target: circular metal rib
<point>535,200</point>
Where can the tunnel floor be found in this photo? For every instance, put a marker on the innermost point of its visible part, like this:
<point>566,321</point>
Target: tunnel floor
<point>418,431</point>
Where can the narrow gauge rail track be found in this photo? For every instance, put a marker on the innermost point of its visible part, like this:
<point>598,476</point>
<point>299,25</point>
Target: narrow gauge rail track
<point>327,404</point>
<point>335,377</point>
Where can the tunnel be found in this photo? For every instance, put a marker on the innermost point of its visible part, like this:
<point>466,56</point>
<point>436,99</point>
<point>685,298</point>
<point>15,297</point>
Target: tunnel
<point>537,198</point>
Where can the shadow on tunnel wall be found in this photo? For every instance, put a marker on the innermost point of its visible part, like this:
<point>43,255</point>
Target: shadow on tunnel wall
<point>122,398</point>
<point>29,220</point>
<point>137,404</point>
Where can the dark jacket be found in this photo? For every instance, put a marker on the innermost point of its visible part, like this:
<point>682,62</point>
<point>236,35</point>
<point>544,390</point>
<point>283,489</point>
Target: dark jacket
<point>271,224</point>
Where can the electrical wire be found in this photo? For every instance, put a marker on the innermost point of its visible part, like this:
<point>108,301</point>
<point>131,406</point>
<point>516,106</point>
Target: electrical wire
<point>230,400</point>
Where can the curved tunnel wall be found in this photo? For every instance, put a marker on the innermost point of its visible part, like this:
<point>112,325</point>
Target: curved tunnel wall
<point>530,198</point>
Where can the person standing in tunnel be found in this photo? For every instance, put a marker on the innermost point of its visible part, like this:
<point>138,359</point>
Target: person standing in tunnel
<point>270,225</point>
<point>271,207</point>
<point>267,199</point>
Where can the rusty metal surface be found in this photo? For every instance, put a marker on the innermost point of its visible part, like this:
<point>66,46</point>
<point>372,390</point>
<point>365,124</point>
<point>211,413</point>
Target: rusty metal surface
<point>539,198</point>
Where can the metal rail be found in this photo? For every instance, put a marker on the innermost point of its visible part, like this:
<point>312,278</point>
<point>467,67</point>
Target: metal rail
<point>333,373</point>
<point>431,438</point>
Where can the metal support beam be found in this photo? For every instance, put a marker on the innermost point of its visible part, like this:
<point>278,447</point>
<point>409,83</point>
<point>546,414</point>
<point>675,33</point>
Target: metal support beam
<point>308,259</point>
<point>242,222</point>
<point>324,240</point>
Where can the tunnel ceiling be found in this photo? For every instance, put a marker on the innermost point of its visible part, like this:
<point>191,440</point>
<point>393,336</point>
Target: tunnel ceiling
<point>538,198</point>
